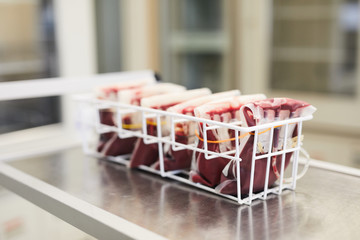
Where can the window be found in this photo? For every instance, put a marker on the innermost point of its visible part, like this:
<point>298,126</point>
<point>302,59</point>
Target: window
<point>27,51</point>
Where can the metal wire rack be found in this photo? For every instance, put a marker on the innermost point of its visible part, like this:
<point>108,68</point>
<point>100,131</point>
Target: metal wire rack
<point>89,125</point>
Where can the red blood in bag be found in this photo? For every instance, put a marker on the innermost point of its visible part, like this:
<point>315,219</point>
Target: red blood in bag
<point>145,154</point>
<point>110,144</point>
<point>283,108</point>
<point>106,117</point>
<point>175,160</point>
<point>184,131</point>
<point>148,154</point>
<point>245,172</point>
<point>209,170</point>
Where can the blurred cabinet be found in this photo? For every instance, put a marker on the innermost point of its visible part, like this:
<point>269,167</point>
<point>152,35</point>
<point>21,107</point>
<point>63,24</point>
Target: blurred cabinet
<point>319,40</point>
<point>315,57</point>
<point>305,50</point>
<point>196,41</point>
<point>308,50</point>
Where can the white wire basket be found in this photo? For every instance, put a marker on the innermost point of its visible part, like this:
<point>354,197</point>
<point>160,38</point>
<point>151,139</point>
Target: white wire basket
<point>90,126</point>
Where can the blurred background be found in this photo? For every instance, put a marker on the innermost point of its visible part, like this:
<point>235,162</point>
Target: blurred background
<point>307,50</point>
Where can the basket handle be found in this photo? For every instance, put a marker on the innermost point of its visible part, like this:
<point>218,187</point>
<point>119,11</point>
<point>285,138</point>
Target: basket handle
<point>304,170</point>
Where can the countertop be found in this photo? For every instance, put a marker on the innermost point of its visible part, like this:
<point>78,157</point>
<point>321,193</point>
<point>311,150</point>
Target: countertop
<point>325,204</point>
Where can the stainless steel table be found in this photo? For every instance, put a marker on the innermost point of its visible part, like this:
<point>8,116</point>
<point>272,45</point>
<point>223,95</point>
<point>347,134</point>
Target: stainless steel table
<point>109,201</point>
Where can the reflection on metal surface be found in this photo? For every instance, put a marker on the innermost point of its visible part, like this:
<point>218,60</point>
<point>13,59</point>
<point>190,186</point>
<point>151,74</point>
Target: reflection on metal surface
<point>324,205</point>
<point>179,211</point>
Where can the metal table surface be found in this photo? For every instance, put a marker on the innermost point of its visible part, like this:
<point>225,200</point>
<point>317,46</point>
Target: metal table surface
<point>325,204</point>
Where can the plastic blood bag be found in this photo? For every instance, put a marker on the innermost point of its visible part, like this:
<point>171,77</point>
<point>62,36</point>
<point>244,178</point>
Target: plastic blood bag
<point>147,154</point>
<point>208,171</point>
<point>116,146</point>
<point>256,113</point>
<point>110,92</point>
<point>185,131</point>
<point>108,142</point>
<point>134,96</point>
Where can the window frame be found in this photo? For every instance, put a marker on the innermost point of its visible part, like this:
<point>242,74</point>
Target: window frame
<point>67,43</point>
